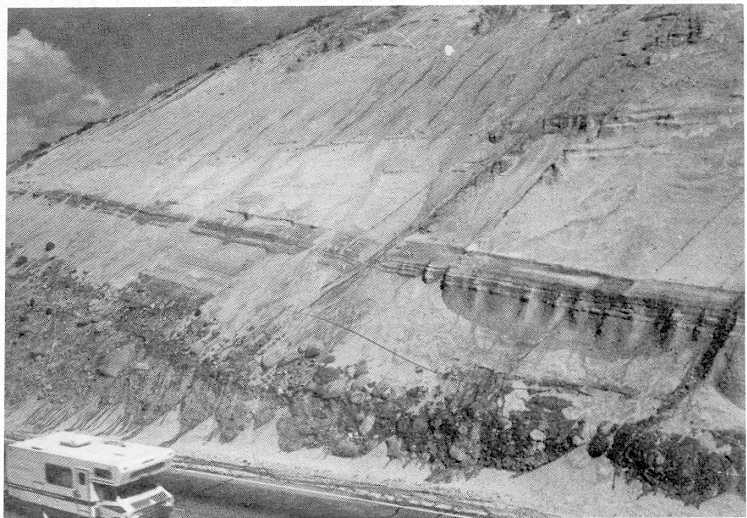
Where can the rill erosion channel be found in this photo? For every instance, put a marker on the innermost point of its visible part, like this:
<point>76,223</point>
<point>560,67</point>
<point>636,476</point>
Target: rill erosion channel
<point>509,274</point>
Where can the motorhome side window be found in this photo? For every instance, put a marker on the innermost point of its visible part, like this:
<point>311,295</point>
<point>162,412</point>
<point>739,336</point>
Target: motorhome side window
<point>102,473</point>
<point>59,475</point>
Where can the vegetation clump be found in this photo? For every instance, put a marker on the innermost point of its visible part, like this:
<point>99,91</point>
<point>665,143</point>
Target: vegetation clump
<point>678,465</point>
<point>462,429</point>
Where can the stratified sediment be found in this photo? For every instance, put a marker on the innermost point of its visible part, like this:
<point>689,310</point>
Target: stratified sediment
<point>348,239</point>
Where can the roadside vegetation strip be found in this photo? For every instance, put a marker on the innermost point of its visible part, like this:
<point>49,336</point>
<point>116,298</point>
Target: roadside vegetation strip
<point>371,493</point>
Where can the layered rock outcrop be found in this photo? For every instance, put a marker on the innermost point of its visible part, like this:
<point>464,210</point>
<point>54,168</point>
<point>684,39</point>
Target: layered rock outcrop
<point>352,240</point>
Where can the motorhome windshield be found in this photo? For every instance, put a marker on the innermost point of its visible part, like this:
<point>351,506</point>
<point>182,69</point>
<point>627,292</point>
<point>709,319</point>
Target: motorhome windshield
<point>126,491</point>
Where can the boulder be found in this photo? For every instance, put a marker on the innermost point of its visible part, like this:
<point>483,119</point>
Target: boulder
<point>457,453</point>
<point>537,435</point>
<point>345,447</point>
<point>367,425</point>
<point>394,448</point>
<point>312,352</point>
<point>357,397</point>
<point>335,388</point>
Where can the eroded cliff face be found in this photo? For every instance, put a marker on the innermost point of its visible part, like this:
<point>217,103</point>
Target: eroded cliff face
<point>349,240</point>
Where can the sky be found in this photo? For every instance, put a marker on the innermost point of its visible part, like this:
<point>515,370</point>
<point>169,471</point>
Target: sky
<point>70,66</point>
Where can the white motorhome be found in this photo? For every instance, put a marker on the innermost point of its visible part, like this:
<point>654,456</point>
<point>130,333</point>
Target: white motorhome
<point>71,474</point>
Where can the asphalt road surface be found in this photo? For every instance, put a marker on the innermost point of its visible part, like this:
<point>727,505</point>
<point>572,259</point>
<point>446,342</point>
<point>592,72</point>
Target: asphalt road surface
<point>217,496</point>
<point>209,496</point>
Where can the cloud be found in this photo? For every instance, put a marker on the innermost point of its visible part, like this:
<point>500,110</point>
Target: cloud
<point>23,134</point>
<point>46,96</point>
<point>149,91</point>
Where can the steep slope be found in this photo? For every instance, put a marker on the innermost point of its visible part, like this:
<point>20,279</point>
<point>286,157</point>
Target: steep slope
<point>351,238</point>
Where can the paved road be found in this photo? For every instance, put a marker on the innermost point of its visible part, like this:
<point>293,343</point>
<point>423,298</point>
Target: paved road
<point>217,496</point>
<point>209,496</point>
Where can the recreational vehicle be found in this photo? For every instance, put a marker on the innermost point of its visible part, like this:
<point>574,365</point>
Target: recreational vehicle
<point>70,474</point>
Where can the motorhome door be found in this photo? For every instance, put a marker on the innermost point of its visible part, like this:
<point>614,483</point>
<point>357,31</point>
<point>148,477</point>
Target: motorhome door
<point>82,490</point>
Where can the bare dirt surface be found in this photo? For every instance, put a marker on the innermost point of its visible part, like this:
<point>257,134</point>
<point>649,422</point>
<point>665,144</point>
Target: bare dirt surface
<point>351,255</point>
